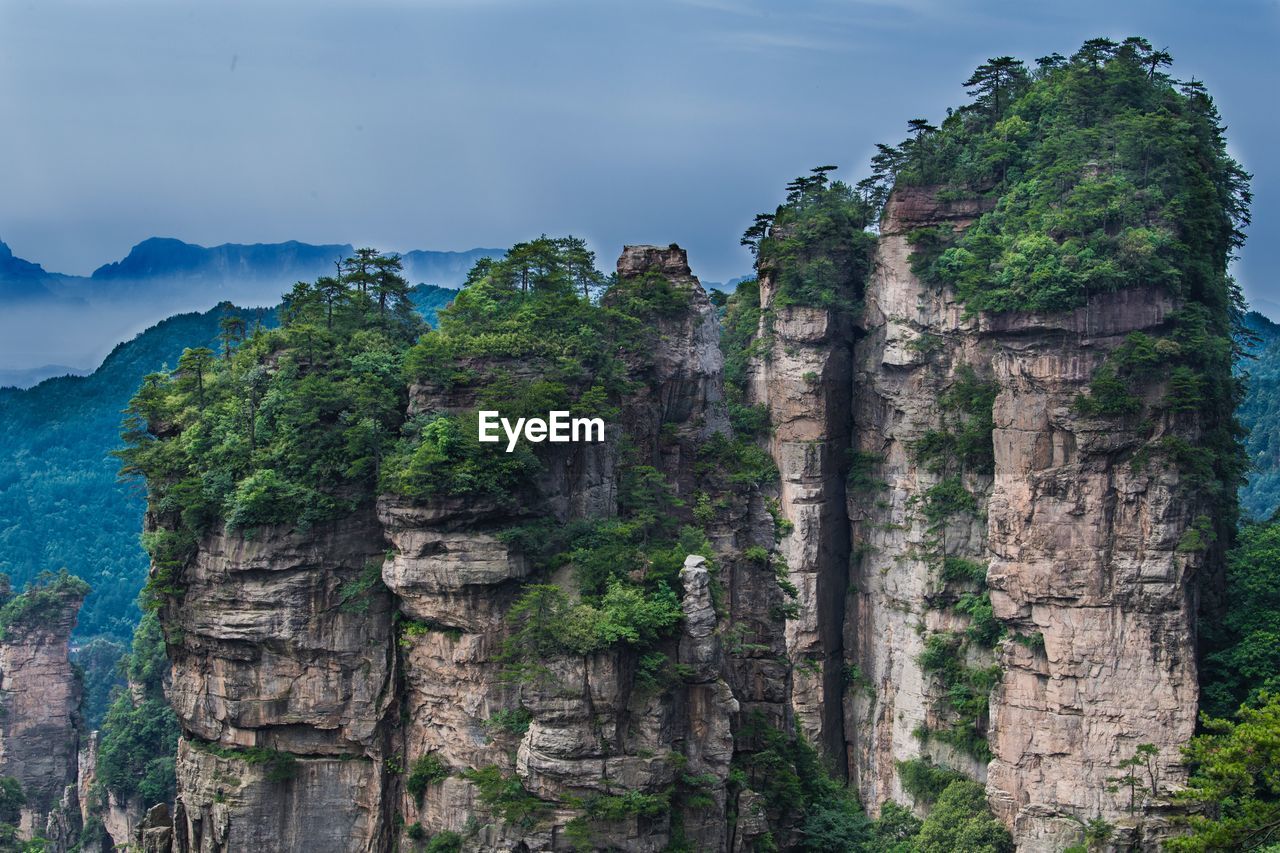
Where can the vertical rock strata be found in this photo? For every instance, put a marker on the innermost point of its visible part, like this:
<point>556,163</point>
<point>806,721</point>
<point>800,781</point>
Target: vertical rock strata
<point>40,724</point>
<point>917,342</point>
<point>804,377</point>
<point>304,709</point>
<point>1084,553</point>
<point>304,705</point>
<point>1080,544</point>
<point>283,680</point>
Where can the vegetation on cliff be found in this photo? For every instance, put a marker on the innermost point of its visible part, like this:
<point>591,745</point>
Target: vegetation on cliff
<point>52,595</point>
<point>816,245</point>
<point>139,735</point>
<point>1106,174</point>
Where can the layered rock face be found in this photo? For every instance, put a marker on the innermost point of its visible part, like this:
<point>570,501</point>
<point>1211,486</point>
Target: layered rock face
<point>1084,553</point>
<point>1080,547</point>
<point>313,670</point>
<point>283,680</point>
<point>40,725</point>
<point>304,709</point>
<point>805,379</point>
<point>917,343</point>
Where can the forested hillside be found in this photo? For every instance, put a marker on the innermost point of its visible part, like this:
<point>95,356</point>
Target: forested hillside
<point>1260,415</point>
<point>61,502</point>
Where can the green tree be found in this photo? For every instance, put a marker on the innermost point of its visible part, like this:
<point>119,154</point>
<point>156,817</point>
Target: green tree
<point>995,83</point>
<point>1235,776</point>
<point>231,331</point>
<point>960,820</point>
<point>12,799</point>
<point>193,365</point>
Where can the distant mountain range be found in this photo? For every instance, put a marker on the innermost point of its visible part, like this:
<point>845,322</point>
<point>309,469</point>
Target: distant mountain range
<point>53,324</point>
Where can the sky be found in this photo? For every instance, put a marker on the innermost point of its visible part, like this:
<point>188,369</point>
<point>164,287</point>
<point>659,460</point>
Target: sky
<point>448,124</point>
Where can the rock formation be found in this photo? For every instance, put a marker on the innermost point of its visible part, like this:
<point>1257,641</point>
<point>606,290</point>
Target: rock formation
<point>314,669</point>
<point>304,708</point>
<point>1080,547</point>
<point>40,725</point>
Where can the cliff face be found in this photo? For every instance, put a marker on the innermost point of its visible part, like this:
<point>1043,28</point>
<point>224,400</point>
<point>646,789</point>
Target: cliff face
<point>306,711</point>
<point>917,344</point>
<point>40,726</point>
<point>804,376</point>
<point>1075,545</point>
<point>985,579</point>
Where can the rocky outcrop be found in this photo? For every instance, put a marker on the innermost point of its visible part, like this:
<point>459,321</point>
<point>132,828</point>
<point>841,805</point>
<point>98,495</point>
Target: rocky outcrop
<point>1084,553</point>
<point>349,686</point>
<point>306,711</point>
<point>804,377</point>
<point>1080,546</point>
<point>917,342</point>
<point>283,680</point>
<point>40,725</point>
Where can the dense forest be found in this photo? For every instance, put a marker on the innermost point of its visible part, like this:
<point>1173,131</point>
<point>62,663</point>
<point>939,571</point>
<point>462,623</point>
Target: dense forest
<point>1260,415</point>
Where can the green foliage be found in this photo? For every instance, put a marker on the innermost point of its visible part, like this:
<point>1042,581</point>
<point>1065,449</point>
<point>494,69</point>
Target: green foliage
<point>599,810</point>
<point>739,461</point>
<point>859,478</point>
<point>1136,772</point>
<point>1105,175</point>
<point>538,308</point>
<point>1098,173</point>
<point>444,842</point>
<point>12,799</point>
<point>1242,659</point>
<point>513,721</point>
<point>816,245</point>
<point>946,498</point>
<point>139,739</point>
<point>506,797</point>
<point>1109,396</point>
<point>786,771</point>
<point>1233,775</point>
<point>288,427</point>
<point>968,691</point>
<point>441,455</point>
<point>984,628</point>
<point>356,595</point>
<point>963,570</point>
<point>99,662</point>
<point>546,623</point>
<point>48,597</point>
<point>740,342</point>
<point>136,754</point>
<point>960,820</point>
<point>924,780</point>
<point>281,766</point>
<point>427,770</point>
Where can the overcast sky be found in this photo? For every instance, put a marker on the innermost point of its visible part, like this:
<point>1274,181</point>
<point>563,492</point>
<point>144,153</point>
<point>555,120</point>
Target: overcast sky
<point>448,124</point>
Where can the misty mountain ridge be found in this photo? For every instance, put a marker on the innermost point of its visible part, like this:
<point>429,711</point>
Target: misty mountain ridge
<point>53,324</point>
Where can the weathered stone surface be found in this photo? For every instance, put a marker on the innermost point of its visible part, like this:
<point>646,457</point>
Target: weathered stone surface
<point>229,804</point>
<point>1081,548</point>
<point>1084,553</point>
<point>279,645</point>
<point>805,380</point>
<point>40,725</point>
<point>897,386</point>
